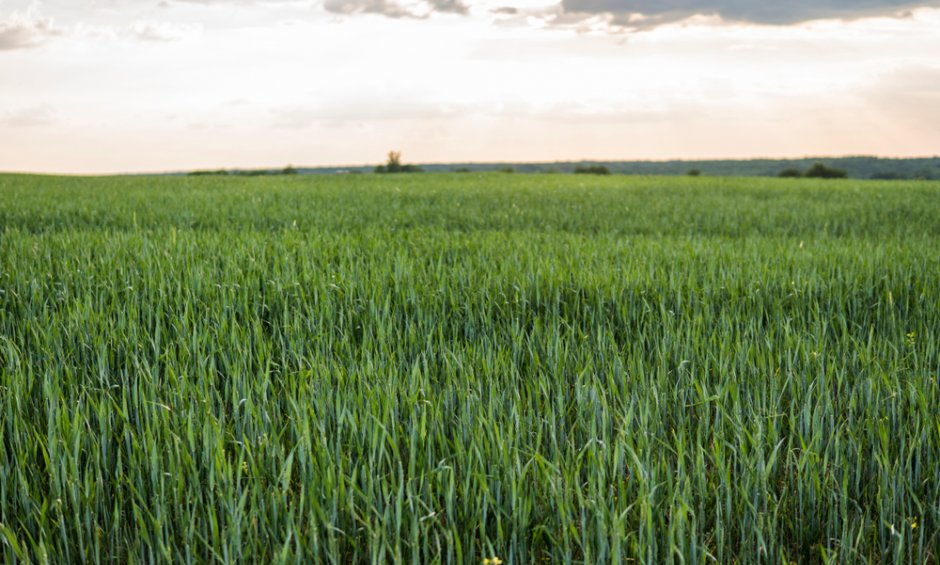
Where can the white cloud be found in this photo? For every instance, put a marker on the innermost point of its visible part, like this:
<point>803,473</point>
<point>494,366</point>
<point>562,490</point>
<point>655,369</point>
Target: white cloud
<point>21,30</point>
<point>150,30</point>
<point>29,117</point>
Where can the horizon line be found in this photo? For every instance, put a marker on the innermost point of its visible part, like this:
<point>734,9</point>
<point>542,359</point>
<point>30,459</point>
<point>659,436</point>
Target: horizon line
<point>474,163</point>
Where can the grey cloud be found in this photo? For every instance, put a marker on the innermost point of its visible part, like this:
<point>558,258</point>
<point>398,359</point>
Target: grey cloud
<point>171,3</point>
<point>27,30</point>
<point>381,7</point>
<point>392,9</point>
<point>29,117</point>
<point>449,6</point>
<point>756,11</point>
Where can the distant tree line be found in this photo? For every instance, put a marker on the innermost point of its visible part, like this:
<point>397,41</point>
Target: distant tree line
<point>926,168</point>
<point>817,171</point>
<point>288,170</point>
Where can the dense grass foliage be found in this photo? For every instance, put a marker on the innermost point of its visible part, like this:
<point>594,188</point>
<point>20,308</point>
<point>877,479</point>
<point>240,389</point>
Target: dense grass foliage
<point>451,368</point>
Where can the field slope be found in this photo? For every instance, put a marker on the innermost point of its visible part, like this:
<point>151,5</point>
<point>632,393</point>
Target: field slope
<point>449,368</point>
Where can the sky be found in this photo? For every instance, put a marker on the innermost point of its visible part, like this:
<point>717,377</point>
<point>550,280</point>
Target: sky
<point>103,86</point>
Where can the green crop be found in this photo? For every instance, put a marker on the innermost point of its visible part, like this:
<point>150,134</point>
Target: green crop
<point>451,368</point>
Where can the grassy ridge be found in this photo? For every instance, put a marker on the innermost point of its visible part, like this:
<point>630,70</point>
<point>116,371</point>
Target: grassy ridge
<point>456,367</point>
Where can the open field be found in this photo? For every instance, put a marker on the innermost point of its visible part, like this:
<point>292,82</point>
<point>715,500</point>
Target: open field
<point>543,368</point>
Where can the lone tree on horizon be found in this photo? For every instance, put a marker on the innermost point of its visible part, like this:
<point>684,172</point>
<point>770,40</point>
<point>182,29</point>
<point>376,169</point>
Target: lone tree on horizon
<point>393,165</point>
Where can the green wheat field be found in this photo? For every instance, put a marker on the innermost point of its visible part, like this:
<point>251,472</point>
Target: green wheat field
<point>469,368</point>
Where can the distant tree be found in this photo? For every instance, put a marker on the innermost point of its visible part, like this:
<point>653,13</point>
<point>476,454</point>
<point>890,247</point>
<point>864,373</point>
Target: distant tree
<point>461,170</point>
<point>289,170</point>
<point>791,172</point>
<point>821,171</point>
<point>694,173</point>
<point>393,165</point>
<point>591,170</point>
<point>507,170</point>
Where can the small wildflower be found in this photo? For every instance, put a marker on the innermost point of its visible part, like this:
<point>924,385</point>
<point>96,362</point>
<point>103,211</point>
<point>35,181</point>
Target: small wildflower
<point>914,524</point>
<point>492,561</point>
<point>911,337</point>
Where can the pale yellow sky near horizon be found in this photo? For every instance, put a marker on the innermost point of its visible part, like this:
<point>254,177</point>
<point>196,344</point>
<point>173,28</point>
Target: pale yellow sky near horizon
<point>132,86</point>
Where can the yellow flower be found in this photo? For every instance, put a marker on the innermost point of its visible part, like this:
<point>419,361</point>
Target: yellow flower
<point>492,561</point>
<point>914,524</point>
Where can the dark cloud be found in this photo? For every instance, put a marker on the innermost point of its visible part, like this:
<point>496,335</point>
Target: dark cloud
<point>23,31</point>
<point>381,7</point>
<point>449,6</point>
<point>756,11</point>
<point>392,9</point>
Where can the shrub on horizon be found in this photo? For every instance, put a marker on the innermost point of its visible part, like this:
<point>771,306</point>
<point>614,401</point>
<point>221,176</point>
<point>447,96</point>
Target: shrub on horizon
<point>591,170</point>
<point>820,171</point>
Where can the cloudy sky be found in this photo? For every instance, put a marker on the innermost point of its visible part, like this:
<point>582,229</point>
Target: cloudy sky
<point>153,85</point>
